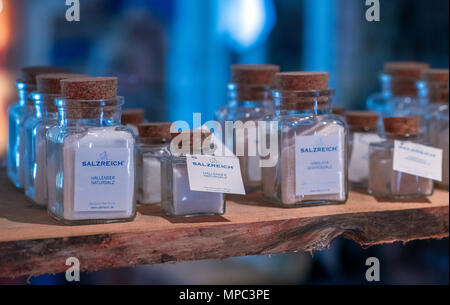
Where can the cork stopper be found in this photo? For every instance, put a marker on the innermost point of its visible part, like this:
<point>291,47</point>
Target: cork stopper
<point>254,74</point>
<point>51,83</point>
<point>362,119</point>
<point>133,116</point>
<point>302,81</point>
<point>405,69</point>
<point>89,88</point>
<point>401,125</point>
<point>338,110</point>
<point>159,130</point>
<point>435,75</point>
<point>28,74</point>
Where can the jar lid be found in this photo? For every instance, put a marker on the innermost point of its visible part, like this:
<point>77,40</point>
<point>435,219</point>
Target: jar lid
<point>362,119</point>
<point>405,69</point>
<point>133,116</point>
<point>50,83</point>
<point>254,74</point>
<point>156,130</point>
<point>28,74</point>
<point>435,75</point>
<point>401,125</point>
<point>89,88</point>
<point>302,81</point>
<point>338,110</point>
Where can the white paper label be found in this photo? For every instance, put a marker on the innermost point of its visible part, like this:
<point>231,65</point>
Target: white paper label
<point>104,179</point>
<point>214,174</point>
<point>418,160</point>
<point>319,165</point>
<point>359,160</point>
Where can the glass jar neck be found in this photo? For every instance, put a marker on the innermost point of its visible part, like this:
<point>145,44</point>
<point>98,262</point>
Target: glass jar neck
<point>363,129</point>
<point>245,93</point>
<point>398,86</point>
<point>23,90</point>
<point>303,103</point>
<point>433,92</point>
<point>403,137</point>
<point>154,142</point>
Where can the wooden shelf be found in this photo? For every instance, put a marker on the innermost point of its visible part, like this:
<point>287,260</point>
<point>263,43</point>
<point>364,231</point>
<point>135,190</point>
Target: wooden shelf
<point>31,243</point>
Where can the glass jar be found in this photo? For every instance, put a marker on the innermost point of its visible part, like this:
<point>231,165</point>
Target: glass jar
<point>312,151</point>
<point>362,131</point>
<point>384,181</point>
<point>35,165</point>
<point>91,163</point>
<point>177,198</point>
<point>434,90</point>
<point>18,113</point>
<point>132,118</point>
<point>399,94</point>
<point>153,145</point>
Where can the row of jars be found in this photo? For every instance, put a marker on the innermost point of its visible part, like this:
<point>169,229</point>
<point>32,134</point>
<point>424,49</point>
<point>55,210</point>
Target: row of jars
<point>77,154</point>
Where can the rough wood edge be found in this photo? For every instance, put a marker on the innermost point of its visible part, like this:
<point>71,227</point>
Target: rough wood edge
<point>35,257</point>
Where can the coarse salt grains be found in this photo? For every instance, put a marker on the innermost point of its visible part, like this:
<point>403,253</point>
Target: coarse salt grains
<point>93,177</point>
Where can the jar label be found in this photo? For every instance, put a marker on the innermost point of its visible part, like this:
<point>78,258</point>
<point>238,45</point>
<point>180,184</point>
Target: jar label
<point>319,165</point>
<point>215,174</point>
<point>359,160</point>
<point>418,160</point>
<point>104,179</point>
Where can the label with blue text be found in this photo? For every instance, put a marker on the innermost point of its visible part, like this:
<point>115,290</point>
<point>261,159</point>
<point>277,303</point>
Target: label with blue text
<point>319,165</point>
<point>418,160</point>
<point>215,174</point>
<point>104,179</point>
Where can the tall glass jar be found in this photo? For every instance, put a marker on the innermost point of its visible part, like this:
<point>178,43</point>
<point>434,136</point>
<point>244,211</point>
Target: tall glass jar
<point>154,139</point>
<point>434,89</point>
<point>178,200</point>
<point>249,101</point>
<point>312,147</point>
<point>398,90</point>
<point>91,163</point>
<point>36,128</point>
<point>362,131</point>
<point>384,181</point>
<point>17,114</point>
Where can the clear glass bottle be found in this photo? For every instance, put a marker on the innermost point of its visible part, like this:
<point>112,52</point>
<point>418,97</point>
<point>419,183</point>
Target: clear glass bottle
<point>177,198</point>
<point>434,89</point>
<point>362,131</point>
<point>154,139</point>
<point>384,181</point>
<point>249,101</point>
<point>36,127</point>
<point>398,90</point>
<point>18,113</point>
<point>312,148</point>
<point>91,163</point>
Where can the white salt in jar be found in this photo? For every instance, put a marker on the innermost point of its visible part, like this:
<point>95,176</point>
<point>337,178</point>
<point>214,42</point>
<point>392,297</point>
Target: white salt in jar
<point>90,156</point>
<point>178,199</point>
<point>154,139</point>
<point>312,148</point>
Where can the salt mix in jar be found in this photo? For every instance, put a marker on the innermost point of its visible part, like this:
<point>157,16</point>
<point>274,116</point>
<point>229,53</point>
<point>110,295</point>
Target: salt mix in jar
<point>177,198</point>
<point>362,132</point>
<point>312,162</point>
<point>435,90</point>
<point>90,156</point>
<point>36,126</point>
<point>18,113</point>
<point>154,139</point>
<point>384,181</point>
<point>399,92</point>
<point>250,100</point>
<point>133,117</point>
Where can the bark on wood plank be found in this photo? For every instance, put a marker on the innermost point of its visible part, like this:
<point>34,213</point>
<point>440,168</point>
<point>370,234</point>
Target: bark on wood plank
<point>31,243</point>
